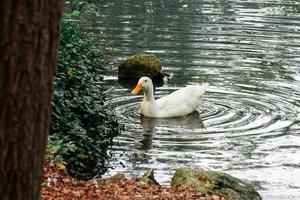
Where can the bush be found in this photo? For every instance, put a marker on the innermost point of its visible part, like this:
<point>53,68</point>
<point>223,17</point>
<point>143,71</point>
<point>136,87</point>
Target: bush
<point>82,129</point>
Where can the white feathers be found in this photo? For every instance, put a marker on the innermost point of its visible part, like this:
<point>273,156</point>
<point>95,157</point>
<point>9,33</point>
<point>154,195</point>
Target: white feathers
<point>179,103</point>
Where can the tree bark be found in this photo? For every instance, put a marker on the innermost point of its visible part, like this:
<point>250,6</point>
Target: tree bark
<point>29,39</point>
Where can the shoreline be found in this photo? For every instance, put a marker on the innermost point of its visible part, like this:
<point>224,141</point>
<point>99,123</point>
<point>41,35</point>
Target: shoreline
<point>58,185</point>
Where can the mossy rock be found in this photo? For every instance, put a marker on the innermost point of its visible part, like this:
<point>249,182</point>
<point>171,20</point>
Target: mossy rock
<point>113,179</point>
<point>148,178</point>
<point>140,65</point>
<point>212,182</point>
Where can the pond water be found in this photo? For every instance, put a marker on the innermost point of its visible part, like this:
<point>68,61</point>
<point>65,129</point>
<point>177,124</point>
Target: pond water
<point>248,124</point>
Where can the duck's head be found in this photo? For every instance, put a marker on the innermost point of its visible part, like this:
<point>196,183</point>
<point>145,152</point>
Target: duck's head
<point>144,83</point>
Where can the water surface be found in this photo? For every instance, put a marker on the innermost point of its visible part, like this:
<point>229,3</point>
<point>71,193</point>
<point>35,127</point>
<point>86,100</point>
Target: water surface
<point>248,124</point>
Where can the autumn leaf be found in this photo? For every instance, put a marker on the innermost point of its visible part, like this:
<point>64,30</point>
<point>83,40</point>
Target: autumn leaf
<point>61,166</point>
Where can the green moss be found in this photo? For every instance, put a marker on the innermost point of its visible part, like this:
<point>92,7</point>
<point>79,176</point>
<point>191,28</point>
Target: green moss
<point>230,194</point>
<point>140,65</point>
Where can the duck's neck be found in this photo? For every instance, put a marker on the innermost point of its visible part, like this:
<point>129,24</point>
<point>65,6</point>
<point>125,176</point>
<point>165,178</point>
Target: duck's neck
<point>148,95</point>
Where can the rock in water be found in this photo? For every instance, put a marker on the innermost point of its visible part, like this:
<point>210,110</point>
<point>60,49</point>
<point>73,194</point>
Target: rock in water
<point>213,182</point>
<point>140,65</point>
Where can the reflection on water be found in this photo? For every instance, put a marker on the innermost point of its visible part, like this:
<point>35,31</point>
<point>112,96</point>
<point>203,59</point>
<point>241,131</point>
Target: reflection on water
<point>148,124</point>
<point>249,53</point>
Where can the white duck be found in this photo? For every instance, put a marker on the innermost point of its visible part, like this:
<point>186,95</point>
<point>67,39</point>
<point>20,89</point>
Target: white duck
<point>179,103</point>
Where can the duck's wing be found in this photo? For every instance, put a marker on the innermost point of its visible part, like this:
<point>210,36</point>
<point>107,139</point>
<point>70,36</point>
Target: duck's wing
<point>182,101</point>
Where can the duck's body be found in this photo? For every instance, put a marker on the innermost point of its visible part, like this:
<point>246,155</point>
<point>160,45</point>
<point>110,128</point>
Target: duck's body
<point>179,103</point>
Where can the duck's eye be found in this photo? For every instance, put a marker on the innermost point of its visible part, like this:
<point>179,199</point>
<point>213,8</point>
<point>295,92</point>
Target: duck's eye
<point>146,81</point>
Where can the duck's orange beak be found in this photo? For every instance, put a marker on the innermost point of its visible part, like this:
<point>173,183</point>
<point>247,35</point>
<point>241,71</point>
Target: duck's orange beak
<point>137,88</point>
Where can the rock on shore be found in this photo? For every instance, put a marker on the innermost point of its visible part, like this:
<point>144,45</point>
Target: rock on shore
<point>213,182</point>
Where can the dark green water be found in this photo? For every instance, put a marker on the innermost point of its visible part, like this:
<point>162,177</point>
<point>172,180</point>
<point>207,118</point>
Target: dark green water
<point>249,51</point>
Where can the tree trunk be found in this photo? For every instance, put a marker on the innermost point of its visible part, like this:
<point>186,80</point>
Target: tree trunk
<point>29,39</point>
